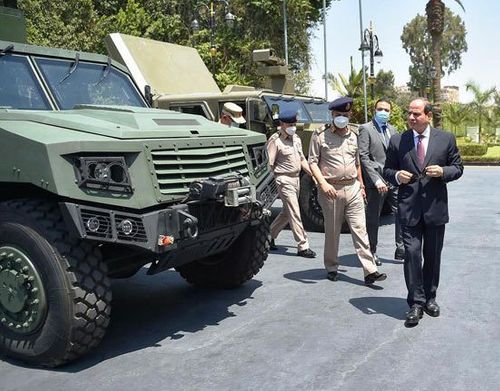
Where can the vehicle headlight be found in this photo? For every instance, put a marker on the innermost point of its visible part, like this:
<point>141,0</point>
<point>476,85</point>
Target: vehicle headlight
<point>259,157</point>
<point>103,173</point>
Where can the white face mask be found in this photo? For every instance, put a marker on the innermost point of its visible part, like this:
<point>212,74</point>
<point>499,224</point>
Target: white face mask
<point>291,130</point>
<point>234,124</point>
<point>341,121</point>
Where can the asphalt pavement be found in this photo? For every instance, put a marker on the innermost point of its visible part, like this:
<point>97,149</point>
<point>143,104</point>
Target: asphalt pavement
<point>290,328</point>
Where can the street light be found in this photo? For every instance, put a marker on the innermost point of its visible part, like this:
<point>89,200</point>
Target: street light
<point>370,44</point>
<point>210,8</point>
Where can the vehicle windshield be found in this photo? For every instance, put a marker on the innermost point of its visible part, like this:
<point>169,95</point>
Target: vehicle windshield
<point>277,104</point>
<point>74,82</point>
<point>19,88</point>
<point>318,111</point>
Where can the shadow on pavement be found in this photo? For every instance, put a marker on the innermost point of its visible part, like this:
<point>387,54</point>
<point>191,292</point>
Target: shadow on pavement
<point>150,311</point>
<point>395,307</point>
<point>312,276</point>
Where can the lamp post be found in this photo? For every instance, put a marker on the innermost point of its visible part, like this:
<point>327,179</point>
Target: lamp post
<point>370,43</point>
<point>363,58</point>
<point>210,8</point>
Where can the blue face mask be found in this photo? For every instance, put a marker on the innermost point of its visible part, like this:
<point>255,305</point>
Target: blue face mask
<point>382,116</point>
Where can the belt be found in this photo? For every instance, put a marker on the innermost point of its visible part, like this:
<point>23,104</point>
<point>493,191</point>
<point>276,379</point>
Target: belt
<point>342,181</point>
<point>291,175</point>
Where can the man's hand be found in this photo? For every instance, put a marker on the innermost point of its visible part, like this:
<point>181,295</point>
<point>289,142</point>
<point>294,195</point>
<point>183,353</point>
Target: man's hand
<point>382,187</point>
<point>363,193</point>
<point>328,189</point>
<point>404,176</point>
<point>434,171</point>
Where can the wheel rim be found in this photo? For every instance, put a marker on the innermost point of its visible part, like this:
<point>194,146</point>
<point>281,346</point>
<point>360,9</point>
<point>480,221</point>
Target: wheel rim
<point>22,297</point>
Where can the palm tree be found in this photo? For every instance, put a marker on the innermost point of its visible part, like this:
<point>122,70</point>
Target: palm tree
<point>480,102</point>
<point>351,86</point>
<point>434,10</point>
<point>456,114</point>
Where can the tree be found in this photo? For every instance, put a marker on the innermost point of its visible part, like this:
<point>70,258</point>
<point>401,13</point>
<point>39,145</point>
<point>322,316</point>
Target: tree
<point>435,11</point>
<point>83,24</point>
<point>456,115</point>
<point>384,84</point>
<point>481,102</point>
<point>352,85</point>
<point>429,48</point>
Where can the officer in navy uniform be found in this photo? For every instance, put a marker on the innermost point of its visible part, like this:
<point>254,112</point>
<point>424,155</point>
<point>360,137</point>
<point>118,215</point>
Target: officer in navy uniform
<point>334,162</point>
<point>287,160</point>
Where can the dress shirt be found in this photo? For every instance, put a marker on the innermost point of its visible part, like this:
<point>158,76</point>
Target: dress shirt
<point>425,142</point>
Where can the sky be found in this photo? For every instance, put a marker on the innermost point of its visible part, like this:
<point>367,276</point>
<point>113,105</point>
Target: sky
<point>481,62</point>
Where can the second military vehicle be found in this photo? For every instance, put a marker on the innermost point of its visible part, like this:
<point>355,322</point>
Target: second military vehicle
<point>94,185</point>
<point>180,81</point>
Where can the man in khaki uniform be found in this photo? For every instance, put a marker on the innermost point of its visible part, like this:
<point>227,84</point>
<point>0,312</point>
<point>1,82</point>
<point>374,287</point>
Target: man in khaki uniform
<point>334,162</point>
<point>286,160</point>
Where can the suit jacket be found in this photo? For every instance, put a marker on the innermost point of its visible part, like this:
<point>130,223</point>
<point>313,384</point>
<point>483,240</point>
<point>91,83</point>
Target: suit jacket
<point>372,151</point>
<point>424,197</point>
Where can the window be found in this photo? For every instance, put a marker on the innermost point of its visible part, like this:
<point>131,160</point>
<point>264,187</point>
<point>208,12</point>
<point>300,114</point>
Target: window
<point>19,88</point>
<point>75,82</point>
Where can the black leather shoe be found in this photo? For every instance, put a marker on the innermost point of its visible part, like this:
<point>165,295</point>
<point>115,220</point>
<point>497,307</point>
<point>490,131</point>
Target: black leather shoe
<point>413,316</point>
<point>431,308</point>
<point>375,276</point>
<point>332,276</point>
<point>272,245</point>
<point>307,253</point>
<point>378,262</point>
<point>399,255</point>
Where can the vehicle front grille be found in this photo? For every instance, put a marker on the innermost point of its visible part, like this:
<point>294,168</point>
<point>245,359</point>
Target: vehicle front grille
<point>176,169</point>
<point>138,232</point>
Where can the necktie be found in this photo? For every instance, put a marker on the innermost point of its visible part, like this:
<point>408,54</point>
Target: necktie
<point>385,135</point>
<point>420,151</point>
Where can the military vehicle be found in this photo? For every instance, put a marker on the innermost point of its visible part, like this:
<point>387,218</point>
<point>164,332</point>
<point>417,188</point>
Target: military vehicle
<point>94,184</point>
<point>180,81</point>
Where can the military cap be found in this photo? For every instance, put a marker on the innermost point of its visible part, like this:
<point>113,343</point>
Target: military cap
<point>342,104</point>
<point>288,115</point>
<point>234,111</point>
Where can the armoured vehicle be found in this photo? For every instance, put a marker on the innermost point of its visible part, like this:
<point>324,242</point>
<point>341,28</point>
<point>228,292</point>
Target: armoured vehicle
<point>94,184</point>
<point>180,81</point>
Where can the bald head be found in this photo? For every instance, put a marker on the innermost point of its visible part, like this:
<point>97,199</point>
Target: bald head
<point>419,114</point>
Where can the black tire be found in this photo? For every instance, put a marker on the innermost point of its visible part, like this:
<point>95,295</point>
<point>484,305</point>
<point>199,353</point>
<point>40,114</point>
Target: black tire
<point>236,265</point>
<point>310,210</point>
<point>77,294</point>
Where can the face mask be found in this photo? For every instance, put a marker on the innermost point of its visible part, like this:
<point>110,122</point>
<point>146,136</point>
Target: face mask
<point>291,130</point>
<point>234,124</point>
<point>382,116</point>
<point>341,121</point>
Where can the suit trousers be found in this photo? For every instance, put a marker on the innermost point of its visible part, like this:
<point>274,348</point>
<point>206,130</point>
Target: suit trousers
<point>426,240</point>
<point>375,203</point>
<point>288,190</point>
<point>348,204</point>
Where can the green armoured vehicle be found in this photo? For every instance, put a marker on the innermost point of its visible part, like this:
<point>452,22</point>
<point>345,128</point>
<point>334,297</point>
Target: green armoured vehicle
<point>180,81</point>
<point>94,185</point>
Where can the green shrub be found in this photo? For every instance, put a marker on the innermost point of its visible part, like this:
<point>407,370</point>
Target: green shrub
<point>480,159</point>
<point>472,149</point>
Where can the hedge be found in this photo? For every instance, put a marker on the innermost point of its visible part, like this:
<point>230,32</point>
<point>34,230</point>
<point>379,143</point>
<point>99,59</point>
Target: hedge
<point>480,159</point>
<point>472,149</point>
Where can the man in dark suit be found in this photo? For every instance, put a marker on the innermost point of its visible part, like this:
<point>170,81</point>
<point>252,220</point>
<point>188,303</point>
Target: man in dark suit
<point>421,161</point>
<point>373,141</point>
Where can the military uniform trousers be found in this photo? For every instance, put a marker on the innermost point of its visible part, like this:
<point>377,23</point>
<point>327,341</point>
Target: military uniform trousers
<point>288,190</point>
<point>348,204</point>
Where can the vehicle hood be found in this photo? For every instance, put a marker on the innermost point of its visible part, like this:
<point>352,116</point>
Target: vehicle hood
<point>126,123</point>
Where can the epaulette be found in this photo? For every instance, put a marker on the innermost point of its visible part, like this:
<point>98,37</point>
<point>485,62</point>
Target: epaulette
<point>354,128</point>
<point>322,128</point>
<point>274,136</point>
